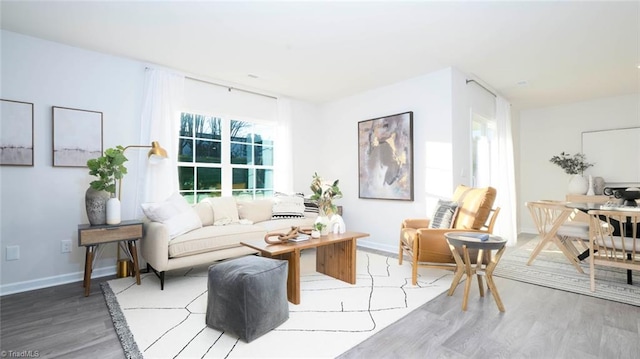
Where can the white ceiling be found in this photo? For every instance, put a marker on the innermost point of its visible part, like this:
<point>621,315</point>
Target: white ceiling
<point>322,51</point>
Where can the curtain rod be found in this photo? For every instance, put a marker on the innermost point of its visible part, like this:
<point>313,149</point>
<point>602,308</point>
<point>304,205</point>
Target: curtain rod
<point>479,84</point>
<point>230,87</point>
<point>221,85</point>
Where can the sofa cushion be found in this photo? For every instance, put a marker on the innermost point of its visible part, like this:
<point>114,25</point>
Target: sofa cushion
<point>287,206</point>
<point>225,210</point>
<point>475,206</point>
<point>259,210</point>
<point>205,212</point>
<point>175,213</point>
<point>211,238</point>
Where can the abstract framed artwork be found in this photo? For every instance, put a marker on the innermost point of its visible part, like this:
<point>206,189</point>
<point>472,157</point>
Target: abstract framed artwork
<point>77,136</point>
<point>16,133</point>
<point>385,157</point>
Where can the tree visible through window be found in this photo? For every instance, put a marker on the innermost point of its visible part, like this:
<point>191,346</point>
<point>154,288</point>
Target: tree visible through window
<point>219,156</point>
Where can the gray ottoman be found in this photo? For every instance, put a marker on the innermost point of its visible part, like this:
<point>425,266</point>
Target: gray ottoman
<point>247,296</point>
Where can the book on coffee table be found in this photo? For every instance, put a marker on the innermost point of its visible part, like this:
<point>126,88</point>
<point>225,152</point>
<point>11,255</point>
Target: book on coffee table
<point>301,237</point>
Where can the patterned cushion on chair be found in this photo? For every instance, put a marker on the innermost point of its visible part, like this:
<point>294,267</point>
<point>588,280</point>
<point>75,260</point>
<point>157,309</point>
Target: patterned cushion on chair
<point>444,214</point>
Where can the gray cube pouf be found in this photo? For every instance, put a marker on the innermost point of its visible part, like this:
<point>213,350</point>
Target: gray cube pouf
<point>247,296</point>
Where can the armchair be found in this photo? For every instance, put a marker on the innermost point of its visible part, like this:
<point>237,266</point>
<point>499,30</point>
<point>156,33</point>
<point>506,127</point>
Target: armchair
<point>428,247</point>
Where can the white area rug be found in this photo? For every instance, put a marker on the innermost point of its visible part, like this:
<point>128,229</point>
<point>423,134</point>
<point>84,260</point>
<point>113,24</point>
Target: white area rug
<point>332,317</point>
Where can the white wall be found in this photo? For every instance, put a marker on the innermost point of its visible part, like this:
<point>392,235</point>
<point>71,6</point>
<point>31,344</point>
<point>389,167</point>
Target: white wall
<point>42,205</point>
<point>330,143</point>
<point>546,132</point>
<point>307,145</point>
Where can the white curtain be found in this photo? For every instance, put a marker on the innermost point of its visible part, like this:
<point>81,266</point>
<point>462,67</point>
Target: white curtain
<point>506,226</point>
<point>161,106</point>
<point>283,156</point>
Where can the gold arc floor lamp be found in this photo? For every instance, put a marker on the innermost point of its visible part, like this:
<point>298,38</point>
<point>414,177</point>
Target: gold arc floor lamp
<point>156,153</point>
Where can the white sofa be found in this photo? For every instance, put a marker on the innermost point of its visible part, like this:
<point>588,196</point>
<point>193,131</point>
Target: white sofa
<point>178,235</point>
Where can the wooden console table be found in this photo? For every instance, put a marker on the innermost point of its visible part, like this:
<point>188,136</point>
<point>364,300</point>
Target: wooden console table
<point>92,237</point>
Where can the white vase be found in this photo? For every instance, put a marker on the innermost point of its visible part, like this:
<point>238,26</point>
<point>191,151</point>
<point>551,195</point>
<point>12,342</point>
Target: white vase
<point>578,185</point>
<point>590,191</point>
<point>315,234</point>
<point>322,218</point>
<point>113,211</point>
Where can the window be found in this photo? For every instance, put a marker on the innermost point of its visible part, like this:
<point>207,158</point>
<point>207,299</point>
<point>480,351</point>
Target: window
<point>220,156</point>
<point>483,151</point>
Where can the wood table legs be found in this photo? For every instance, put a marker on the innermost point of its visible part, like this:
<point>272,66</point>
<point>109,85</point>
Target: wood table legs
<point>565,245</point>
<point>337,260</point>
<point>88,267</point>
<point>293,279</point>
<point>463,266</point>
<point>88,264</point>
<point>134,254</point>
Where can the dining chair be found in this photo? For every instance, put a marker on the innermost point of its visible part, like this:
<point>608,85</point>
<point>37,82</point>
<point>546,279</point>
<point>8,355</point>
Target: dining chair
<point>616,243</point>
<point>553,223</point>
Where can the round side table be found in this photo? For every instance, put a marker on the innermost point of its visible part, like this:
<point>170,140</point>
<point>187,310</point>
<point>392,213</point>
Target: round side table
<point>485,264</point>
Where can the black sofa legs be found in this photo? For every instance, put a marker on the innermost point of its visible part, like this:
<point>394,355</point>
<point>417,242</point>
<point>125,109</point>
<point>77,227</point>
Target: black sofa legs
<point>158,274</point>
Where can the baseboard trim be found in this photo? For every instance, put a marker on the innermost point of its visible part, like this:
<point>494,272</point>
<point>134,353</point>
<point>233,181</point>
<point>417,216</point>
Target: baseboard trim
<point>378,246</point>
<point>29,285</point>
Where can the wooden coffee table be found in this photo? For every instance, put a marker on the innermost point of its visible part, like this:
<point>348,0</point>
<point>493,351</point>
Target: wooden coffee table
<point>335,257</point>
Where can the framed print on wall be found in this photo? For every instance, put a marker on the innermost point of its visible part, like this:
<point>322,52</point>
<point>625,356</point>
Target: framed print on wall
<point>16,133</point>
<point>77,136</point>
<point>385,157</point>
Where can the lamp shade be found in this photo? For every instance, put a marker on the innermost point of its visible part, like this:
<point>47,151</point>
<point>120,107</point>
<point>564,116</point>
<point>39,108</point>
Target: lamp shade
<point>157,152</point>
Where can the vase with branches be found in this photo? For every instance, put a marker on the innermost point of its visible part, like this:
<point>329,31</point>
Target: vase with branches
<point>109,169</point>
<point>324,194</point>
<point>571,164</point>
<point>575,166</point>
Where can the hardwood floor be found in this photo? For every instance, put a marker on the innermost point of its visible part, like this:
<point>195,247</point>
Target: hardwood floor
<point>58,322</point>
<point>539,322</point>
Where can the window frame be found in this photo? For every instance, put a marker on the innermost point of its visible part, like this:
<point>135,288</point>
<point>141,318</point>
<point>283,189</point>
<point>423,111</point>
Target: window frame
<point>226,166</point>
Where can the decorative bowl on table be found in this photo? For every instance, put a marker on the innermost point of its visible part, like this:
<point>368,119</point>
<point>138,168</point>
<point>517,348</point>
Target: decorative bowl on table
<point>630,195</point>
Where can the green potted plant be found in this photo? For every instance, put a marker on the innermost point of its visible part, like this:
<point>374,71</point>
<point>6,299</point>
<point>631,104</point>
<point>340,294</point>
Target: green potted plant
<point>317,229</point>
<point>108,168</point>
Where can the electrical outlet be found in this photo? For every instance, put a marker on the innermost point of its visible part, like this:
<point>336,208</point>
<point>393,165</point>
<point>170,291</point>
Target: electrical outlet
<point>65,246</point>
<point>13,253</point>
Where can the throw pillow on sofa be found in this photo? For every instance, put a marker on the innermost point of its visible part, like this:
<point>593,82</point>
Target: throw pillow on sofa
<point>287,206</point>
<point>225,210</point>
<point>255,211</point>
<point>175,213</point>
<point>205,212</point>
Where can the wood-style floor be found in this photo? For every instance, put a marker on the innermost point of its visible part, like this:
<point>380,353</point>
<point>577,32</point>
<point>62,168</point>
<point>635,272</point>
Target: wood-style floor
<point>59,322</point>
